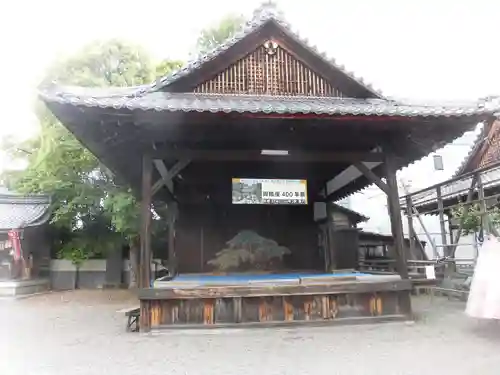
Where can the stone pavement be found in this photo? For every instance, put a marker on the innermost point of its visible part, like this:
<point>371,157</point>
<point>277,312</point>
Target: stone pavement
<point>79,332</point>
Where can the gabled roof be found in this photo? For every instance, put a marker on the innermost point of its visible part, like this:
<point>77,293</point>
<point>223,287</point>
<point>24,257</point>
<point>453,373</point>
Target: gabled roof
<point>484,153</point>
<point>19,211</point>
<point>424,127</point>
<point>480,148</point>
<point>265,15</point>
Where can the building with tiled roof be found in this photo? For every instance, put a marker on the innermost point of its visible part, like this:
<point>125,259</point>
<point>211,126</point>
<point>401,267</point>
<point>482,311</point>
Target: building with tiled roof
<point>27,216</point>
<point>484,155</point>
<point>20,212</point>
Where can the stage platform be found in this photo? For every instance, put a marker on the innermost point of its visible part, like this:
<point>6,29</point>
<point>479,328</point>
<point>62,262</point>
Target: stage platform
<point>195,300</point>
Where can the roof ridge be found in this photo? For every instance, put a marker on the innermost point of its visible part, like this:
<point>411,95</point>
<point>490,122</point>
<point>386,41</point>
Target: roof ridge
<point>262,15</point>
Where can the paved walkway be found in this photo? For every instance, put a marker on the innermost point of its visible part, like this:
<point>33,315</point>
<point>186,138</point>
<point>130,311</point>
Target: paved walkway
<point>75,333</point>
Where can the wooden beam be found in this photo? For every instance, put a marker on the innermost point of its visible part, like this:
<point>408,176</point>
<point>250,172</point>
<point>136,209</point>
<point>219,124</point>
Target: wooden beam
<point>165,178</point>
<point>146,199</point>
<point>330,231</point>
<point>411,229</point>
<point>444,240</point>
<point>256,155</point>
<point>172,212</point>
<point>395,215</point>
<point>368,173</point>
<point>168,175</point>
<point>145,255</point>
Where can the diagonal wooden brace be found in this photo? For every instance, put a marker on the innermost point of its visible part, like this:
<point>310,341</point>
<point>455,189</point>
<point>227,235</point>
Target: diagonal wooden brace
<point>368,173</point>
<point>167,176</point>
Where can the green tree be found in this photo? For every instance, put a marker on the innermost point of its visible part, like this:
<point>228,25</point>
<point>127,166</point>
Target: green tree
<point>104,63</point>
<point>86,202</point>
<point>213,36</point>
<point>167,66</point>
<point>89,208</point>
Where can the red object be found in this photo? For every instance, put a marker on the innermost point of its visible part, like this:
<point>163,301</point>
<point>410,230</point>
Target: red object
<point>16,244</point>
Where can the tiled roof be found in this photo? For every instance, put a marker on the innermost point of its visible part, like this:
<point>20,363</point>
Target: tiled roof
<point>263,15</point>
<point>481,137</point>
<point>195,102</point>
<point>358,216</point>
<point>17,211</point>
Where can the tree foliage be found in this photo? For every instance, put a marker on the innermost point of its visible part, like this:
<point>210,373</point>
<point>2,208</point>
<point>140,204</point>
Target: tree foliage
<point>91,213</point>
<point>86,201</point>
<point>167,66</point>
<point>104,63</point>
<point>211,37</point>
<point>473,219</point>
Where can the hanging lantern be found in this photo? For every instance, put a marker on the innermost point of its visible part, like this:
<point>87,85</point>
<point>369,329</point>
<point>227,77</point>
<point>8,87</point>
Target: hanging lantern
<point>438,162</point>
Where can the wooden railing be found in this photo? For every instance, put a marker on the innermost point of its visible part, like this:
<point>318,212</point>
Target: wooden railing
<point>416,268</point>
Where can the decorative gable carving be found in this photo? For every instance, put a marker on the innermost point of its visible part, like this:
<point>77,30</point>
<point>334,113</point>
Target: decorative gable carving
<point>269,70</point>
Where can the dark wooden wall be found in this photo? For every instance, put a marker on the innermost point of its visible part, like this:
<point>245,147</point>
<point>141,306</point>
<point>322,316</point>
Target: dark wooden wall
<point>203,229</point>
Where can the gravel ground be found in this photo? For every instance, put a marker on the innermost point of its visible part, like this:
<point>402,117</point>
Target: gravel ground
<point>80,332</point>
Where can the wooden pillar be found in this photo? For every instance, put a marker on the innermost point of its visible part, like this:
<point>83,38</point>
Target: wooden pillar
<point>330,231</point>
<point>411,229</point>
<point>484,208</point>
<point>395,215</point>
<point>145,255</point>
<point>173,211</point>
<point>450,228</point>
<point>444,239</point>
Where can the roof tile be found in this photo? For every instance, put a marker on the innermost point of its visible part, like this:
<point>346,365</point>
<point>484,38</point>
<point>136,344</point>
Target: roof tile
<point>190,102</point>
<point>17,211</point>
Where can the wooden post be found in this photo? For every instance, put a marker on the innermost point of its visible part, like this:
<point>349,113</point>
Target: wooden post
<point>395,215</point>
<point>470,194</point>
<point>444,240</point>
<point>202,249</point>
<point>411,230</point>
<point>173,210</point>
<point>330,230</point>
<point>145,256</point>
<point>450,227</point>
<point>484,208</point>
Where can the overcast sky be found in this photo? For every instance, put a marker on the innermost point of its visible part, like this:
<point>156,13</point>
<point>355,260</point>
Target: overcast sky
<point>420,49</point>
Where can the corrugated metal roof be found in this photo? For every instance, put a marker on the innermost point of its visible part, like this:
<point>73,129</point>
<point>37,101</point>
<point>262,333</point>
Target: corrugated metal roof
<point>195,102</point>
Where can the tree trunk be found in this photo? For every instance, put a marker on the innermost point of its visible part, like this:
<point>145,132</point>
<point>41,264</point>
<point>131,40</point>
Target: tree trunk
<point>77,277</point>
<point>134,263</point>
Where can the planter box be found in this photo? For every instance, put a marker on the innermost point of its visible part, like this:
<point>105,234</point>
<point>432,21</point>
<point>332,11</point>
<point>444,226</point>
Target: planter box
<point>92,274</point>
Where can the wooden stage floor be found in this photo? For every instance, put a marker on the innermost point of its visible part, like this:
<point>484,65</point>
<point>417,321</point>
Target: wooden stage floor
<point>195,301</point>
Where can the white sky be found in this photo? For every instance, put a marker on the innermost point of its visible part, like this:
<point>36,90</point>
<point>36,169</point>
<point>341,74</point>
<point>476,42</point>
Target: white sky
<point>421,49</point>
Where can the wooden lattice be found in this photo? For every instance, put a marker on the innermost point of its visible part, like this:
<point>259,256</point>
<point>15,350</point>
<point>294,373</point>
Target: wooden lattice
<point>492,152</point>
<point>269,70</point>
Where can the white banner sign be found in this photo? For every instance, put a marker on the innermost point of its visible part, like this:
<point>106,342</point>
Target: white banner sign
<point>267,191</point>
